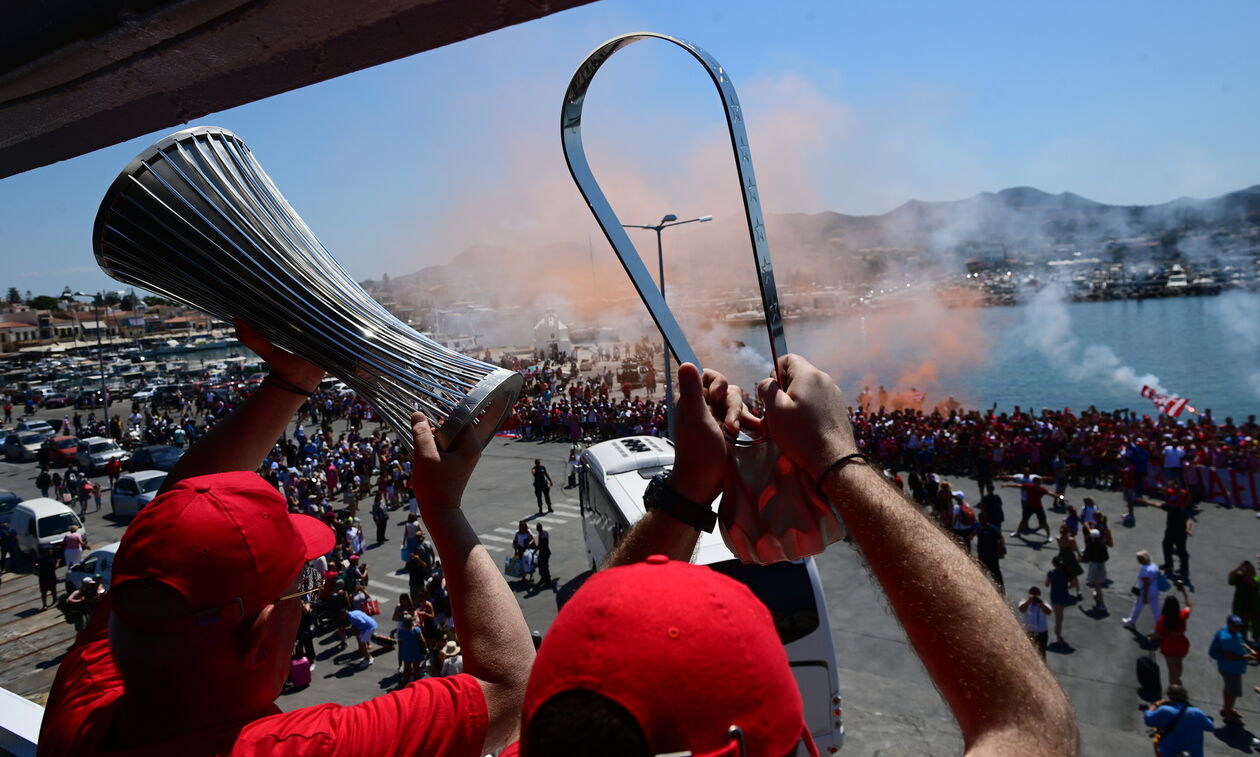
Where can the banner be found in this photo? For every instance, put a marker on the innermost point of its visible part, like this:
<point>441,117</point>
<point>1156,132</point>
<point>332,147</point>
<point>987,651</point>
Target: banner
<point>1220,485</point>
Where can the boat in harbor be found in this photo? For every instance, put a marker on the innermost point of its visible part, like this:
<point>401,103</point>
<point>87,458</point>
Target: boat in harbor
<point>176,347</point>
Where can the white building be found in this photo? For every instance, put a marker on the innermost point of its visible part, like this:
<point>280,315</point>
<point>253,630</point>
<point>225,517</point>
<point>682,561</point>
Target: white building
<point>551,335</point>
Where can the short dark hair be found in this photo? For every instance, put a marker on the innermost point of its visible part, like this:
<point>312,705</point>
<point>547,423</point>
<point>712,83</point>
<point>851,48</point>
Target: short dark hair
<point>581,723</point>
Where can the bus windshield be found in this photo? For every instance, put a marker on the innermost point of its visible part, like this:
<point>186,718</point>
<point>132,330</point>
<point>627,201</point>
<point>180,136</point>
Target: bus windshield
<point>785,589</point>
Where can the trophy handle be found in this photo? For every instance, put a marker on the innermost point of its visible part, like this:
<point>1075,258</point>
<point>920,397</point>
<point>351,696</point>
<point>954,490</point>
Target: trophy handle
<point>575,156</point>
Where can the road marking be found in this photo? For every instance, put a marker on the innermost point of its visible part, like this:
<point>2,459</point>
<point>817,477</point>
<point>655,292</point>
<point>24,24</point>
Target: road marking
<point>400,588</point>
<point>494,547</point>
<point>552,519</point>
<point>505,530</point>
<point>569,509</point>
<point>492,537</point>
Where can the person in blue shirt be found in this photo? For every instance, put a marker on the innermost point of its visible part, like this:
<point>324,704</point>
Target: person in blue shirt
<point>1232,654</point>
<point>1178,724</point>
<point>364,626</point>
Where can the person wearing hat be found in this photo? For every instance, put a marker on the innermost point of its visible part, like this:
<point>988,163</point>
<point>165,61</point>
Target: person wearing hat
<point>1232,653</point>
<point>192,645</point>
<point>452,660</point>
<point>654,655</point>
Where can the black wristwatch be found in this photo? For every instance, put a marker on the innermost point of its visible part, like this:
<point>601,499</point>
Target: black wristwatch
<point>661,496</point>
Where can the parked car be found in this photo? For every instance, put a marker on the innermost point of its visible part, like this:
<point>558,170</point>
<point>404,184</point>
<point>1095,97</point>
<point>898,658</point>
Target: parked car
<point>133,491</point>
<point>65,449</point>
<point>8,503</point>
<point>42,522</point>
<point>96,451</point>
<point>144,394</point>
<point>57,399</point>
<point>156,457</point>
<point>100,563</point>
<point>23,445</point>
<point>43,427</point>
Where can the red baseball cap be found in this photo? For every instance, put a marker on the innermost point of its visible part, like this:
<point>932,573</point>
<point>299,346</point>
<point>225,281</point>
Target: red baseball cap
<point>226,542</point>
<point>687,651</point>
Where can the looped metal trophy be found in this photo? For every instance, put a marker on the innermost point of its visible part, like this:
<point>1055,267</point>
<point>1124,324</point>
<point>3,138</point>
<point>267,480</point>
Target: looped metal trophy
<point>196,219</point>
<point>769,510</point>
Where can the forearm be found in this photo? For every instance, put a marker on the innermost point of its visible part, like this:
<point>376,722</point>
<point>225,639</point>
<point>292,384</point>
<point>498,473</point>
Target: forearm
<point>660,534</point>
<point>1005,699</point>
<point>655,534</point>
<point>241,440</point>
<point>498,649</point>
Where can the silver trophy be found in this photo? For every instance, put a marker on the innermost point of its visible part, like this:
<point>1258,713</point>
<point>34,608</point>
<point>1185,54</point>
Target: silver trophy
<point>196,219</point>
<point>770,511</point>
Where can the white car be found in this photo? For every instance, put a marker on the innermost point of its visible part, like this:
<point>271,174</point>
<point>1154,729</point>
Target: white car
<point>43,427</point>
<point>96,451</point>
<point>135,490</point>
<point>144,394</point>
<point>99,563</point>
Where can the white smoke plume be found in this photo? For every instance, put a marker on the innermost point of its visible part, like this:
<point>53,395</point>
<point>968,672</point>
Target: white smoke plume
<point>1239,315</point>
<point>1048,325</point>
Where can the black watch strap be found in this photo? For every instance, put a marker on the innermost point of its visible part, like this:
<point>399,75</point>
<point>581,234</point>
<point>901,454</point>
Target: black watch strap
<point>661,496</point>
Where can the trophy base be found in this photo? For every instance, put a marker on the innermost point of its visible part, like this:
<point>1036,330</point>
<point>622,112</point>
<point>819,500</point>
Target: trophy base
<point>484,409</point>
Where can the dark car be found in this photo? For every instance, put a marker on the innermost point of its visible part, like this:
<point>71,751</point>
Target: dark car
<point>157,457</point>
<point>59,399</point>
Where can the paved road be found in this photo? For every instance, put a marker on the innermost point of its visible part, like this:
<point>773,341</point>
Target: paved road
<point>890,706</point>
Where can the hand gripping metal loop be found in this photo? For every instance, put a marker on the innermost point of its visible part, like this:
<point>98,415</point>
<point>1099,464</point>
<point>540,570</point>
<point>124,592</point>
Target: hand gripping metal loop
<point>571,139</point>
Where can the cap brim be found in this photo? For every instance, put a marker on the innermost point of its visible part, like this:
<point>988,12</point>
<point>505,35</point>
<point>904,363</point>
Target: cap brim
<point>317,538</point>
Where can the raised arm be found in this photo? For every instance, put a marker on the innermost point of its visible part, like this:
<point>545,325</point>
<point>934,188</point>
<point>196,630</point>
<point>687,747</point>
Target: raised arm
<point>498,648</point>
<point>1004,697</point>
<point>700,457</point>
<point>242,440</point>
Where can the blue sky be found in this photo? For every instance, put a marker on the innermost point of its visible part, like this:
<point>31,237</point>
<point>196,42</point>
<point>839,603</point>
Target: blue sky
<point>853,107</point>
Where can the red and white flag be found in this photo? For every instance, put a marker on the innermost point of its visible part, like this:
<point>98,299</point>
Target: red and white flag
<point>1169,404</point>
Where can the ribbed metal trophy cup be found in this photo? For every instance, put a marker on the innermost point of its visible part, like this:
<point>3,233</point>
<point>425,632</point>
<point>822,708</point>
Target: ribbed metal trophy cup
<point>196,219</point>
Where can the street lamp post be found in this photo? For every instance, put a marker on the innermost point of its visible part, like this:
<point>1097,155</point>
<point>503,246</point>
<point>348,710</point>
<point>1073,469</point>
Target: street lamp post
<point>665,222</point>
<point>97,299</point>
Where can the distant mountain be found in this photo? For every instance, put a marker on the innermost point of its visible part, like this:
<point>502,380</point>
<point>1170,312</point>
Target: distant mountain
<point>1020,219</point>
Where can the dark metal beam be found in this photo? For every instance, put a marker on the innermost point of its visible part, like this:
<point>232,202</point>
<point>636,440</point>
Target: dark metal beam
<point>179,60</point>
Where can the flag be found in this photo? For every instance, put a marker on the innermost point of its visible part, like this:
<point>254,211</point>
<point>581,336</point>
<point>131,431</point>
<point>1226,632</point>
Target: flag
<point>1169,404</point>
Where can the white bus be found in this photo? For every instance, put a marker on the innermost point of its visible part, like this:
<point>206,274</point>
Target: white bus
<point>611,482</point>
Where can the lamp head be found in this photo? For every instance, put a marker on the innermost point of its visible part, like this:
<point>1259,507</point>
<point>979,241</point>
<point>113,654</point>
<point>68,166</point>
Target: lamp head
<point>703,219</point>
<point>669,217</point>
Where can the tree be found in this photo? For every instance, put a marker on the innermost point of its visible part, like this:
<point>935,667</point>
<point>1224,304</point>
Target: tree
<point>44,302</point>
<point>14,295</point>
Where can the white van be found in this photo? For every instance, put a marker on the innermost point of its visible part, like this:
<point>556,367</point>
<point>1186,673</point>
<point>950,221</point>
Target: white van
<point>611,483</point>
<point>42,522</point>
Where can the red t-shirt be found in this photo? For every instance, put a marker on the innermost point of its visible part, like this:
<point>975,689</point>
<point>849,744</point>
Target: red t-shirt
<point>433,716</point>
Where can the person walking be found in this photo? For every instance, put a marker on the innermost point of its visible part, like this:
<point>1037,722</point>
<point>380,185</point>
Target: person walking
<point>1246,603</point>
<point>73,545</point>
<point>573,465</point>
<point>522,539</point>
<point>542,485</point>
<point>1035,615</point>
<point>82,603</point>
<point>1170,632</point>
<point>381,519</point>
<point>991,548</point>
<point>543,540</point>
<point>1146,591</point>
<point>1179,726</point>
<point>452,659</point>
<point>1060,580</point>
<point>1177,527</point>
<point>1232,654</point>
<point>46,566</point>
<point>1096,555</point>
<point>43,481</point>
<point>410,649</point>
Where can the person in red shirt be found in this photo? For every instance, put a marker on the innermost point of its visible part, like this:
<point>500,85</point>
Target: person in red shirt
<point>1030,493</point>
<point>191,646</point>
